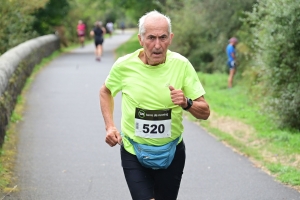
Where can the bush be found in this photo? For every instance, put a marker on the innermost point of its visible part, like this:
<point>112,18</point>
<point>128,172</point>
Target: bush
<point>202,61</point>
<point>16,22</point>
<point>275,26</point>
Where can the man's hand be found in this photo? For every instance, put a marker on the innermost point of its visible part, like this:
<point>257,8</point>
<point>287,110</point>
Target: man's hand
<point>177,97</point>
<point>113,137</point>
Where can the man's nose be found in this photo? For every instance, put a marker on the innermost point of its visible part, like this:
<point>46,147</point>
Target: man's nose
<point>157,43</point>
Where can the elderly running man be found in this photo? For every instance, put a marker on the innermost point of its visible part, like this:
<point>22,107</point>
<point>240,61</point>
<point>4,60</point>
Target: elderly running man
<point>157,86</point>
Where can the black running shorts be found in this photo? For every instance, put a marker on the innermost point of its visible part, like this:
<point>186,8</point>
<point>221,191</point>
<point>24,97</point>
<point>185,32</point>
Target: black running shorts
<point>98,42</point>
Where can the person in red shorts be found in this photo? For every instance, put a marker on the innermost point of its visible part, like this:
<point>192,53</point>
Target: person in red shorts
<point>81,32</point>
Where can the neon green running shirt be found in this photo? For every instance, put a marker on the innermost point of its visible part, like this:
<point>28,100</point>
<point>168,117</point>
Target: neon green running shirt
<point>146,87</point>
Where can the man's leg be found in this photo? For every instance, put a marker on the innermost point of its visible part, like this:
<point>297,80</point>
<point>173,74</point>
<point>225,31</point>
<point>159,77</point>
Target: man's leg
<point>81,40</point>
<point>230,78</point>
<point>167,181</point>
<point>138,178</point>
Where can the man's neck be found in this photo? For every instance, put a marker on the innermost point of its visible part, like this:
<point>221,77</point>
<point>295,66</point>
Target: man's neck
<point>144,59</point>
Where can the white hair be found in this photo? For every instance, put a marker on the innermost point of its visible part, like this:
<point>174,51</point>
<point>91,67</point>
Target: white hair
<point>141,23</point>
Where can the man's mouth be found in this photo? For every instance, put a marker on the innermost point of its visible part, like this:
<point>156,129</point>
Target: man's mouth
<point>156,53</point>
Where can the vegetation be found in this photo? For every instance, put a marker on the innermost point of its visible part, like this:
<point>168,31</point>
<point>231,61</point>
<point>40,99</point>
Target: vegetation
<point>131,45</point>
<point>251,131</point>
<point>276,44</point>
<point>16,20</point>
<point>50,16</point>
<point>202,37</point>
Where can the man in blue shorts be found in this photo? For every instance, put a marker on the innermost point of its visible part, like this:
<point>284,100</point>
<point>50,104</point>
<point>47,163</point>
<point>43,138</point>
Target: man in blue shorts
<point>157,86</point>
<point>231,62</point>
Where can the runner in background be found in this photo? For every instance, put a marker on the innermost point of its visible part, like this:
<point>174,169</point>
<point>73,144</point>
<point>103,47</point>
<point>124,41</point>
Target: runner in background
<point>123,27</point>
<point>81,32</point>
<point>98,34</point>
<point>110,28</point>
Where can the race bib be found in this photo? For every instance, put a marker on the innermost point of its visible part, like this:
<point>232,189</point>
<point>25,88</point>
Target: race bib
<point>152,123</point>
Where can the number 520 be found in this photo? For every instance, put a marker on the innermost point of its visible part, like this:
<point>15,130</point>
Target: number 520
<point>153,128</point>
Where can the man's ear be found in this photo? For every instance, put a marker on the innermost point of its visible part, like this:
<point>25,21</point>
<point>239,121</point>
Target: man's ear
<point>140,39</point>
<point>171,37</point>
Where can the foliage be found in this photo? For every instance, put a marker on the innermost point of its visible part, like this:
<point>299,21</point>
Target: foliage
<point>202,29</point>
<point>135,9</point>
<point>16,22</point>
<point>285,174</point>
<point>24,20</point>
<point>51,15</point>
<point>276,31</point>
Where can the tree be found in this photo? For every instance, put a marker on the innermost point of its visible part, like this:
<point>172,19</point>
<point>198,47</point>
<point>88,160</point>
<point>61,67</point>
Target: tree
<point>202,29</point>
<point>276,31</point>
<point>135,9</point>
<point>16,22</point>
<point>51,15</point>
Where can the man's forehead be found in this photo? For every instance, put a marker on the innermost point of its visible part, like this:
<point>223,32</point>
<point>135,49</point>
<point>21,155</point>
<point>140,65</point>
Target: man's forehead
<point>156,34</point>
<point>156,30</point>
<point>156,23</point>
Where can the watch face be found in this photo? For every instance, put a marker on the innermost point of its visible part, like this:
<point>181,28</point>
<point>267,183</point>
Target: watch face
<point>189,102</point>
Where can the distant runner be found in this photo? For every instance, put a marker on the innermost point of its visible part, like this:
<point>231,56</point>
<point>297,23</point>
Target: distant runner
<point>98,34</point>
<point>110,28</point>
<point>81,32</point>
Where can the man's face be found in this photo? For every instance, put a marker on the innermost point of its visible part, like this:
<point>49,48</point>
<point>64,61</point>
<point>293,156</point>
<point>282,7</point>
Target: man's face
<point>155,41</point>
<point>234,43</point>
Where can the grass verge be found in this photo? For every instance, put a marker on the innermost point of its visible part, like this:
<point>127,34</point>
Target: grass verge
<point>131,45</point>
<point>246,128</point>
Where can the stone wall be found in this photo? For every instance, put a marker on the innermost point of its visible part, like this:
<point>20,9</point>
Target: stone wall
<point>16,66</point>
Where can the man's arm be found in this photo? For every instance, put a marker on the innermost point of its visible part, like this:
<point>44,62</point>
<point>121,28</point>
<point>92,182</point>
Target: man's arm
<point>92,33</point>
<point>104,30</point>
<point>233,55</point>
<point>107,108</point>
<point>200,108</point>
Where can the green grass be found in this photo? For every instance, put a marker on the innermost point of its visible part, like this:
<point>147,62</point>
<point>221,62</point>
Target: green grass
<point>286,174</point>
<point>238,104</point>
<point>130,46</point>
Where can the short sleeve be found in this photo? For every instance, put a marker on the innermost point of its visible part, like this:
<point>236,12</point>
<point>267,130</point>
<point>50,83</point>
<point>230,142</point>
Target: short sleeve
<point>192,86</point>
<point>114,80</point>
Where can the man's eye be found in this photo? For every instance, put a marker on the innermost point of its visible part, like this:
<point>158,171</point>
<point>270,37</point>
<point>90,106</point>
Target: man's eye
<point>163,38</point>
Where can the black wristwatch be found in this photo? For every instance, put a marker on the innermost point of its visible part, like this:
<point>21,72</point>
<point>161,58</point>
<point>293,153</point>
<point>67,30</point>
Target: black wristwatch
<point>189,103</point>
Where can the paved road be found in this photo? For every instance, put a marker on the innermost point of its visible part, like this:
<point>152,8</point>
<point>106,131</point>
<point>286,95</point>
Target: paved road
<point>62,154</point>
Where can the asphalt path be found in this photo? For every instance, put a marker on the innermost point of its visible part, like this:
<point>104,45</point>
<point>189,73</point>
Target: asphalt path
<point>62,154</point>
